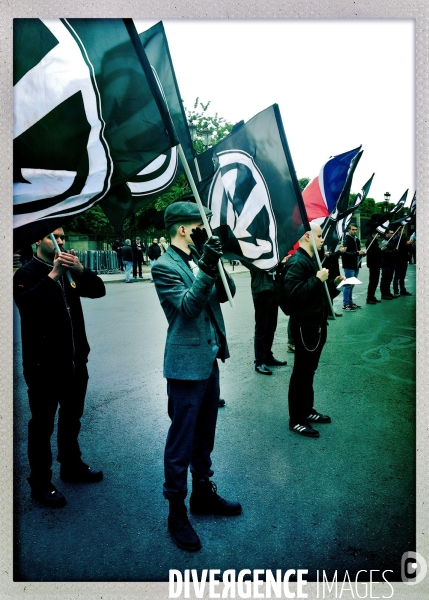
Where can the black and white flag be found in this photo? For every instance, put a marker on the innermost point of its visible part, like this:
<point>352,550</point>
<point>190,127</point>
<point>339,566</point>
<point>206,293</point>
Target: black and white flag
<point>250,185</point>
<point>88,116</point>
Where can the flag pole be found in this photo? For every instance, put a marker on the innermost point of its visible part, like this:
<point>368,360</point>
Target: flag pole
<point>204,217</point>
<point>57,249</point>
<point>313,241</point>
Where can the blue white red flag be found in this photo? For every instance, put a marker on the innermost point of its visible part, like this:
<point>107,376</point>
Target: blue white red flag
<point>322,194</point>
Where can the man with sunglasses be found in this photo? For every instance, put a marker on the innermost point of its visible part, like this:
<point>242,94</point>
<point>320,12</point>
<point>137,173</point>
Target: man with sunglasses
<point>55,352</point>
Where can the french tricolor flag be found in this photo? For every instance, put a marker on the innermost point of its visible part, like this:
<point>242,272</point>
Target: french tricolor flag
<point>322,194</point>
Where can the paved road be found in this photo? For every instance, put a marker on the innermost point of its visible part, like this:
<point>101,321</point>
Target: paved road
<point>343,501</point>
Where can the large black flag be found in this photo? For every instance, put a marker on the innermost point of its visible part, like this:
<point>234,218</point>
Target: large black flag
<point>88,116</point>
<point>250,185</point>
<point>158,177</point>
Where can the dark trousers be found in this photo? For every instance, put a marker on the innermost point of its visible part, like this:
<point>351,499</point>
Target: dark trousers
<point>309,342</point>
<point>192,408</point>
<point>386,280</point>
<point>399,276</point>
<point>266,313</point>
<point>374,278</point>
<point>45,397</point>
<point>137,263</point>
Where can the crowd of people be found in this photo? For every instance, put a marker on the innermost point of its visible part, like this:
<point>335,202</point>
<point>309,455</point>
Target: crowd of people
<point>190,291</point>
<point>132,255</point>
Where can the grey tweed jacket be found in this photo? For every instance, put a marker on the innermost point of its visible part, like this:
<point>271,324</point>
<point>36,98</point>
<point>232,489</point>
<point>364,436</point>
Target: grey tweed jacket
<point>188,303</point>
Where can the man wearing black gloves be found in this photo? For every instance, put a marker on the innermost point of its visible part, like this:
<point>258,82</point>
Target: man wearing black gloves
<point>55,352</point>
<point>189,291</point>
<point>303,297</point>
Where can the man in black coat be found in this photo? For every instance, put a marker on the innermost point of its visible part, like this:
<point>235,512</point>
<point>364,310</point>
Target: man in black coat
<point>266,313</point>
<point>55,352</point>
<point>304,298</point>
<point>153,253</point>
<point>388,265</point>
<point>138,249</point>
<point>402,246</point>
<point>373,262</point>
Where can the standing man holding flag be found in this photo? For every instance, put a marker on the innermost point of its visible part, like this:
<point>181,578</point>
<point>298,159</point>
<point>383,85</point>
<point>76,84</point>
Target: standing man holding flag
<point>55,352</point>
<point>303,297</point>
<point>189,294</point>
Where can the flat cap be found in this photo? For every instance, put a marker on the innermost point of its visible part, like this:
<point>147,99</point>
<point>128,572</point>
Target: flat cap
<point>183,212</point>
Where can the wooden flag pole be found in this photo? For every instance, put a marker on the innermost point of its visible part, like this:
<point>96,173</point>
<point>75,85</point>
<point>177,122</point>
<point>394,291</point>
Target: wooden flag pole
<point>57,249</point>
<point>313,241</point>
<point>204,218</point>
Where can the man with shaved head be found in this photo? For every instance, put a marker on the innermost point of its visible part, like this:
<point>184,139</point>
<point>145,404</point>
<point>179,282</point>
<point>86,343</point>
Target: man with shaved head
<point>304,298</point>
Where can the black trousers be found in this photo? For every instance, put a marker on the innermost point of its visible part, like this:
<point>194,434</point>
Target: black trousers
<point>374,278</point>
<point>399,276</point>
<point>45,397</point>
<point>266,314</point>
<point>309,342</point>
<point>137,263</point>
<point>386,280</point>
<point>192,408</point>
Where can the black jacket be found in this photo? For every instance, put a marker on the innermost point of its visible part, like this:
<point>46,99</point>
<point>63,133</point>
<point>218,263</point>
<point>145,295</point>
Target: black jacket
<point>52,323</point>
<point>351,256</point>
<point>127,253</point>
<point>303,295</point>
<point>154,252</point>
<point>138,251</point>
<point>373,254</point>
<point>389,256</point>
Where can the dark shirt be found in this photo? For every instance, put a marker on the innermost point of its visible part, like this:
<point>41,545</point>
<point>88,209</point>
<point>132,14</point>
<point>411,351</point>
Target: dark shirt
<point>127,253</point>
<point>373,254</point>
<point>304,293</point>
<point>154,252</point>
<point>350,257</point>
<point>52,323</point>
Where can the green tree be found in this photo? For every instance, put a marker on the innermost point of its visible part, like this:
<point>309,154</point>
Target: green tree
<point>147,220</point>
<point>303,182</point>
<point>91,222</point>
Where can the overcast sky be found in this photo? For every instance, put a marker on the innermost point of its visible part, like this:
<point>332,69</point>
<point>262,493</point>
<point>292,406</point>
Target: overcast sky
<point>339,84</point>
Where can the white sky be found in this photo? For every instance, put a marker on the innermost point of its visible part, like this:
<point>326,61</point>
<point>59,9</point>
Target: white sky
<point>339,84</point>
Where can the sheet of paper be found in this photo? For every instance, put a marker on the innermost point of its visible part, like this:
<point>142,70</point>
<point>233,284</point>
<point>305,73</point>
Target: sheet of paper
<point>350,280</point>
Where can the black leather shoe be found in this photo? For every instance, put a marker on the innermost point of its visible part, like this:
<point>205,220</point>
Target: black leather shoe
<point>405,293</point>
<point>263,370</point>
<point>183,534</point>
<point>48,495</point>
<point>80,473</point>
<point>221,402</point>
<point>371,302</point>
<point>205,500</point>
<point>387,297</point>
<point>273,362</point>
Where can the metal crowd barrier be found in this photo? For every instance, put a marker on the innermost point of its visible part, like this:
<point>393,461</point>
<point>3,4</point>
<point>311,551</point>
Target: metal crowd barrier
<point>100,261</point>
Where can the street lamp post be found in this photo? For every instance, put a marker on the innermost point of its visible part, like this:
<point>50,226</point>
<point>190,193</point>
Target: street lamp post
<point>386,200</point>
<point>206,135</point>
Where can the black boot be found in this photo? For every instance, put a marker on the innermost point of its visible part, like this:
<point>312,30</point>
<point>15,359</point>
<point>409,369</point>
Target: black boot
<point>206,501</point>
<point>184,535</point>
<point>47,494</point>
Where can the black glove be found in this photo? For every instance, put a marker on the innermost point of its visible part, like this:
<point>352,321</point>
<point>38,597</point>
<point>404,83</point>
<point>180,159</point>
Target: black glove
<point>212,252</point>
<point>199,237</point>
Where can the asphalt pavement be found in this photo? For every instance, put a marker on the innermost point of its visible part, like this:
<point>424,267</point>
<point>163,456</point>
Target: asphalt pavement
<point>344,501</point>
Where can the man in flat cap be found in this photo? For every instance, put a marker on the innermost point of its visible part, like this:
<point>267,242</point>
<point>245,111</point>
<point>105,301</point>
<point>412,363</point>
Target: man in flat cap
<point>186,280</point>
